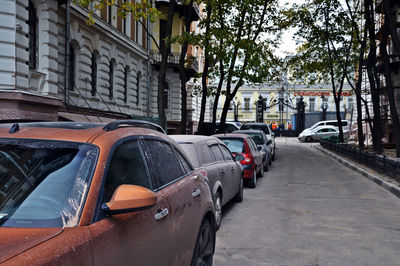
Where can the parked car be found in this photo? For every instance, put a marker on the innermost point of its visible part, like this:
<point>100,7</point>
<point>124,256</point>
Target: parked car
<point>268,132</point>
<point>209,130</point>
<point>252,163</point>
<point>95,194</point>
<point>345,125</point>
<point>265,145</point>
<point>224,173</point>
<point>319,132</point>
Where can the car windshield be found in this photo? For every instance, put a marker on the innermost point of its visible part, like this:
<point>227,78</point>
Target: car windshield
<point>44,183</point>
<point>235,145</point>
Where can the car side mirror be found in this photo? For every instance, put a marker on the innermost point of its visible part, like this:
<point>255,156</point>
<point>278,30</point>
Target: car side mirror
<point>259,148</point>
<point>130,198</point>
<point>269,142</point>
<point>239,157</point>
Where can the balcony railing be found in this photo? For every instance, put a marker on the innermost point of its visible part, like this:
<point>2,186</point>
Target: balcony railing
<point>173,59</point>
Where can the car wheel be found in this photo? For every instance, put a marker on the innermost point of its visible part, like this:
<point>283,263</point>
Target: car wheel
<point>218,210</point>
<point>239,195</point>
<point>204,249</point>
<point>253,182</point>
<point>308,139</point>
<point>261,173</point>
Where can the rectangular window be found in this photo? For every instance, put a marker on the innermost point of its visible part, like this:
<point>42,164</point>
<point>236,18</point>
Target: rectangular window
<point>94,74</point>
<point>126,84</point>
<point>163,35</point>
<point>32,23</point>
<point>111,80</point>
<point>312,104</point>
<point>71,67</point>
<point>247,104</point>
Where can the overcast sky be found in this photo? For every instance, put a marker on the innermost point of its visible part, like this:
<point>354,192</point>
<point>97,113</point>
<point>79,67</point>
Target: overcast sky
<point>288,45</point>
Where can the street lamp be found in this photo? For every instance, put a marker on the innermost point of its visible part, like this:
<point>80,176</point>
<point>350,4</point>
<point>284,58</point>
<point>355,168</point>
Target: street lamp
<point>236,104</point>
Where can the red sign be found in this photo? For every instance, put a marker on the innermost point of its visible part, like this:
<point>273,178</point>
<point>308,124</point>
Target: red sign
<point>318,93</point>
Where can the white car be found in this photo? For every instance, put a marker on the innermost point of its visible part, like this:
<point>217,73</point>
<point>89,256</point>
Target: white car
<point>319,132</point>
<point>345,125</point>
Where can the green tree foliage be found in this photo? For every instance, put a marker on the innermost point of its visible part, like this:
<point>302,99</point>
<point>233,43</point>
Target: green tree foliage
<point>327,47</point>
<point>238,39</point>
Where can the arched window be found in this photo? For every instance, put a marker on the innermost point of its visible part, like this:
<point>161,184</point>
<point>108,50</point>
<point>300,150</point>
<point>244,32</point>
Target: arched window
<point>166,95</point>
<point>126,72</point>
<point>138,87</point>
<point>94,72</point>
<point>33,36</point>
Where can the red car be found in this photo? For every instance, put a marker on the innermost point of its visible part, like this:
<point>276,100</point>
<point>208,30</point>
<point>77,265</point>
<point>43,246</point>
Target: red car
<point>252,163</point>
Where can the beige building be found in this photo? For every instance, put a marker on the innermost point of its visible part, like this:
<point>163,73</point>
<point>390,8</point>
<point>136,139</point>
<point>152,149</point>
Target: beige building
<point>315,97</point>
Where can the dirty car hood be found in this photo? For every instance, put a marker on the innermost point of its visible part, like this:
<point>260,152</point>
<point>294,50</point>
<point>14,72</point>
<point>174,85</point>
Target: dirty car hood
<point>14,241</point>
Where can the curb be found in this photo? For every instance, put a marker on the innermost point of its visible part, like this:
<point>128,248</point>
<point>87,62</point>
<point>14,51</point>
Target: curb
<point>386,185</point>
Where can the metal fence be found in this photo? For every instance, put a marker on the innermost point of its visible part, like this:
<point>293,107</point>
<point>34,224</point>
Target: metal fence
<point>380,163</point>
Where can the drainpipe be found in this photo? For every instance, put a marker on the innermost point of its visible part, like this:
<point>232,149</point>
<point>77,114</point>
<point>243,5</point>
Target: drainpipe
<point>148,69</point>
<point>67,53</point>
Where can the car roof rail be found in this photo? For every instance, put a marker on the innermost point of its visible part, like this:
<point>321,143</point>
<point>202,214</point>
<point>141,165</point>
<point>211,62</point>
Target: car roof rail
<point>133,122</point>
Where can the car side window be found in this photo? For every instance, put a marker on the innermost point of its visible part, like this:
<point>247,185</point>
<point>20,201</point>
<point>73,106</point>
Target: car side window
<point>164,165</point>
<point>227,154</point>
<point>127,167</point>
<point>216,152</point>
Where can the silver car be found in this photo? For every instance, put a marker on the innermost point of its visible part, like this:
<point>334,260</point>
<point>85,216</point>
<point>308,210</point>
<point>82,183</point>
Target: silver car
<point>224,171</point>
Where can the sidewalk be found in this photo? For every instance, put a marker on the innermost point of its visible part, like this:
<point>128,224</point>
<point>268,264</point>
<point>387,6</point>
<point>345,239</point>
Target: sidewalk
<point>384,181</point>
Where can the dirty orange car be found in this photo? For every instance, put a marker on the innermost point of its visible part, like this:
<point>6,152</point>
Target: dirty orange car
<point>93,194</point>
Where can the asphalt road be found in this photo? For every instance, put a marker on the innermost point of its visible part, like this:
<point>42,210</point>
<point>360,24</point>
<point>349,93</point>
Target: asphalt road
<point>310,210</point>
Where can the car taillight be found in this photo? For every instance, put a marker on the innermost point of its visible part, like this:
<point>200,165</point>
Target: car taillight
<point>247,159</point>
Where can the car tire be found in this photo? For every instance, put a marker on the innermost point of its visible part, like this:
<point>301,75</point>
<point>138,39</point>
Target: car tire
<point>261,173</point>
<point>204,249</point>
<point>218,209</point>
<point>239,196</point>
<point>308,139</point>
<point>252,183</point>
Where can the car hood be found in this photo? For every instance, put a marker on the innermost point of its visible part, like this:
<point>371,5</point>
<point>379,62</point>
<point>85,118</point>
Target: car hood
<point>14,241</point>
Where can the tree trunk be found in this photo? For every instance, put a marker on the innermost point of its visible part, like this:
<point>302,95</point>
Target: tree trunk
<point>163,67</point>
<point>373,78</point>
<point>204,76</point>
<point>389,87</point>
<point>183,71</point>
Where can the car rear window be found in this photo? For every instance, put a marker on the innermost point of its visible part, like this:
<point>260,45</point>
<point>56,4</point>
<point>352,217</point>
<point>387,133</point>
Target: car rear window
<point>190,151</point>
<point>235,145</point>
<point>257,138</point>
<point>44,183</point>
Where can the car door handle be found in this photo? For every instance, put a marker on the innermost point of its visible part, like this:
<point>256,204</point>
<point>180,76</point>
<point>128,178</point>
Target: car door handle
<point>196,193</point>
<point>161,214</point>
